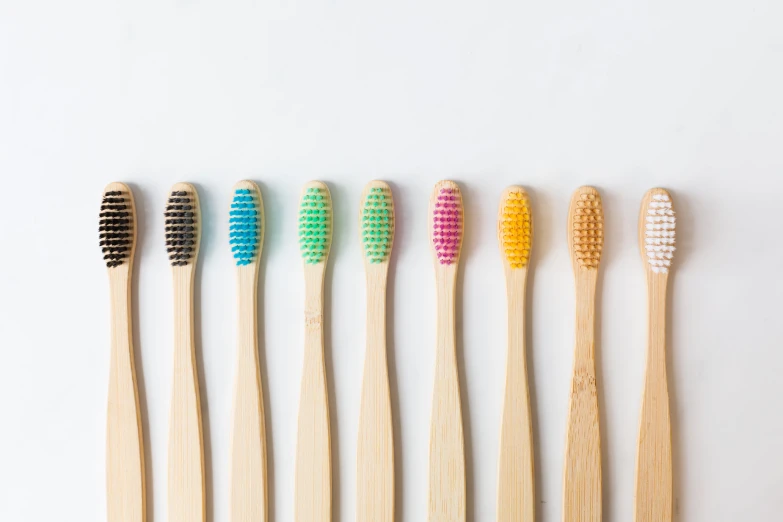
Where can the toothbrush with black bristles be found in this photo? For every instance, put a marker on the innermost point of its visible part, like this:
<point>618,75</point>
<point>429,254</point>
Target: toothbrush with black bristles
<point>248,442</point>
<point>125,489</point>
<point>186,487</point>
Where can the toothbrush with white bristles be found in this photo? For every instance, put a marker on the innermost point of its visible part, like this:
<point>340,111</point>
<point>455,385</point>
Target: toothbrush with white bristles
<point>653,496</point>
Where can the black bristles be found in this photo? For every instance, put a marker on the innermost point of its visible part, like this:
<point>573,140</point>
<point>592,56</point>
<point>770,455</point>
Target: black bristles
<point>115,228</point>
<point>180,228</point>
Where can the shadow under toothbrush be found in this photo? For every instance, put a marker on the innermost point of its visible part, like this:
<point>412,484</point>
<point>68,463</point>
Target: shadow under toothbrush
<point>141,225</point>
<point>205,246</point>
<point>541,228</point>
<point>340,221</point>
<point>682,207</point>
<point>399,236</point>
<point>270,242</point>
<point>469,245</point>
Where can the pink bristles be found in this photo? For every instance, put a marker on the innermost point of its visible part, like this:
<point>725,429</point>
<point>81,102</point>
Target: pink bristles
<point>447,225</point>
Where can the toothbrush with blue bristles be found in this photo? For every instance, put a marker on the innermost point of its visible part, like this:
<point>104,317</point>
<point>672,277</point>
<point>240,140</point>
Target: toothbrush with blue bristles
<point>248,441</point>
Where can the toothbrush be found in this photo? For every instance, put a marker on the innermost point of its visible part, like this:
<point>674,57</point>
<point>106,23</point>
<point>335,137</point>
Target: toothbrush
<point>447,454</point>
<point>516,498</point>
<point>313,481</point>
<point>187,501</point>
<point>653,497</point>
<point>582,475</point>
<point>125,491</point>
<point>375,448</point>
<point>248,444</point>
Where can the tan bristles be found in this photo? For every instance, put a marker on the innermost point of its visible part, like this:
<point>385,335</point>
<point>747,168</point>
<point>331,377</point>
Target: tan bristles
<point>587,227</point>
<point>515,228</point>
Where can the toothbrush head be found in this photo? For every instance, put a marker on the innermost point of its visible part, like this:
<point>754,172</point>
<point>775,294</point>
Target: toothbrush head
<point>446,227</point>
<point>117,225</point>
<point>657,230</point>
<point>246,223</point>
<point>586,228</point>
<point>183,231</point>
<point>515,227</point>
<point>377,222</point>
<point>315,223</point>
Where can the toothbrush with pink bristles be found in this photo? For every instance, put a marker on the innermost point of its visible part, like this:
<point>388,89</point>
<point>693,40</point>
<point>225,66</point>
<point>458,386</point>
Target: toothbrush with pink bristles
<point>447,455</point>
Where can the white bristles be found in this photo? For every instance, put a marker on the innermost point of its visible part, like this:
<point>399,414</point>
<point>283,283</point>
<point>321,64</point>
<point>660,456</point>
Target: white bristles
<point>659,233</point>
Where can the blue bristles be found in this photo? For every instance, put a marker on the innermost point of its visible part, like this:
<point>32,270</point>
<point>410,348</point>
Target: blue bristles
<point>243,227</point>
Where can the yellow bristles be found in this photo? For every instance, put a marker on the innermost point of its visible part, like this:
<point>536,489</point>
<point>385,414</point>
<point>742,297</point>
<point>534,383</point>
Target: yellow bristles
<point>515,227</point>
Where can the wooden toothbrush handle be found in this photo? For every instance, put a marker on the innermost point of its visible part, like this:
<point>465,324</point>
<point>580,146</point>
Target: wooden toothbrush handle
<point>125,493</point>
<point>447,452</point>
<point>653,498</point>
<point>248,443</point>
<point>582,476</point>
<point>313,479</point>
<point>187,502</point>
<point>516,491</point>
<point>375,447</point>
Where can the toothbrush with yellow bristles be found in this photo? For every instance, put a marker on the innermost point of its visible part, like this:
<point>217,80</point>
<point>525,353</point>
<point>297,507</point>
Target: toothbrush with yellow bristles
<point>653,496</point>
<point>582,474</point>
<point>375,446</point>
<point>516,497</point>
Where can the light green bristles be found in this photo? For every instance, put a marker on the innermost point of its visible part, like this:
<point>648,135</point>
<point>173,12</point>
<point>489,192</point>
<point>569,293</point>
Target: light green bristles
<point>315,225</point>
<point>377,225</point>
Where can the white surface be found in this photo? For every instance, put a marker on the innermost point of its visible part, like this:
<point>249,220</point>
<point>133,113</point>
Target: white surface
<point>552,95</point>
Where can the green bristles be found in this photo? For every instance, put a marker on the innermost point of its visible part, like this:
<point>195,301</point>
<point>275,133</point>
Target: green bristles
<point>315,225</point>
<point>377,225</point>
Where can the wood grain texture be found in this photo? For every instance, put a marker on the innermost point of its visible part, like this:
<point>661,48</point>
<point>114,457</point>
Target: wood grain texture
<point>447,490</point>
<point>125,482</point>
<point>516,483</point>
<point>313,474</point>
<point>582,471</point>
<point>653,495</point>
<point>249,501</point>
<point>186,486</point>
<point>375,445</point>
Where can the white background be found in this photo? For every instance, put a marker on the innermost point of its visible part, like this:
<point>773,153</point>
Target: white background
<point>624,95</point>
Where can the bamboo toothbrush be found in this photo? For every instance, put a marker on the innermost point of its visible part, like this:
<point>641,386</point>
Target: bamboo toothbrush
<point>447,453</point>
<point>516,499</point>
<point>313,481</point>
<point>375,447</point>
<point>653,498</point>
<point>248,444</point>
<point>125,492</point>
<point>187,502</point>
<point>582,476</point>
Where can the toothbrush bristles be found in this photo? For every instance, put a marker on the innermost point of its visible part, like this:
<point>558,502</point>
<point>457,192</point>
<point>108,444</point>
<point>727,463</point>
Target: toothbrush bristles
<point>115,228</point>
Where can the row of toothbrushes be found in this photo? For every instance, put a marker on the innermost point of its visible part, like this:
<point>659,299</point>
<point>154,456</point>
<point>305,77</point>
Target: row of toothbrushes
<point>375,455</point>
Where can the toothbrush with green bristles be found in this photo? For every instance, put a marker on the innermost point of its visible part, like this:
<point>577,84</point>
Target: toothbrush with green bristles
<point>248,442</point>
<point>313,480</point>
<point>375,448</point>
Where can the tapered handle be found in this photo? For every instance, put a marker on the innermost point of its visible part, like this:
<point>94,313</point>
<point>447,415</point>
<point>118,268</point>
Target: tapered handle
<point>125,493</point>
<point>248,443</point>
<point>516,496</point>
<point>447,451</point>
<point>187,501</point>
<point>375,448</point>
<point>582,477</point>
<point>313,481</point>
<point>653,499</point>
